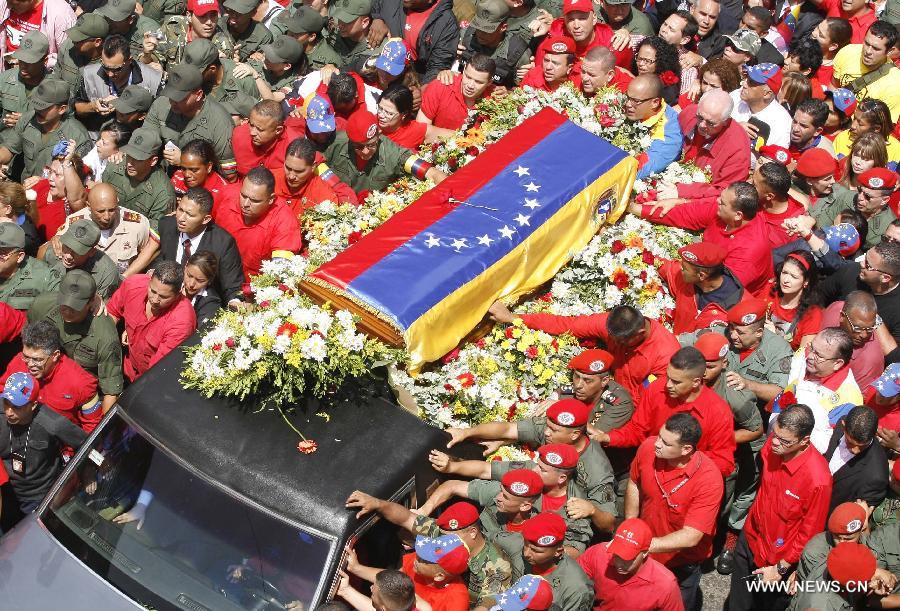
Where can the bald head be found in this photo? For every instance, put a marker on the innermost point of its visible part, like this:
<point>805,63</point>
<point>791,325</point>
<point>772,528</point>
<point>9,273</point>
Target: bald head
<point>601,56</point>
<point>598,69</point>
<point>644,99</point>
<point>645,86</point>
<point>104,204</point>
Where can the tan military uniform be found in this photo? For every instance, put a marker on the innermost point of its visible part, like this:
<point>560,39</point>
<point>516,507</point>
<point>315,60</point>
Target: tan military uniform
<point>129,236</point>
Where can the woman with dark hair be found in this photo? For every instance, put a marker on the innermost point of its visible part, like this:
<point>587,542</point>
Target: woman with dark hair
<point>396,119</point>
<point>15,208</point>
<point>655,56</point>
<point>871,116</point>
<point>795,88</point>
<point>717,73</point>
<point>199,272</point>
<point>795,311</point>
<point>196,170</point>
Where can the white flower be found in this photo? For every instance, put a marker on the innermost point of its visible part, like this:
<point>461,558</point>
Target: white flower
<point>282,344</point>
<point>345,318</point>
<point>314,348</point>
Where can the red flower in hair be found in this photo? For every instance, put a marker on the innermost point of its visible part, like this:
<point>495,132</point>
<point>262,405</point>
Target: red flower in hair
<point>669,78</point>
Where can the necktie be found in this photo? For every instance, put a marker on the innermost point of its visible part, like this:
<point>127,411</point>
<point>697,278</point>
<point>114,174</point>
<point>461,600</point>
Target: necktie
<point>186,253</point>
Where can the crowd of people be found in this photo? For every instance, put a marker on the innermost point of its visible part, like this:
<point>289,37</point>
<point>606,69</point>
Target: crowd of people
<point>153,155</point>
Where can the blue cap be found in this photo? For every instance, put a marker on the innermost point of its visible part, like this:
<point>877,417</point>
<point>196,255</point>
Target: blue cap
<point>320,116</point>
<point>20,389</point>
<point>844,100</point>
<point>393,57</point>
<point>842,238</point>
<point>448,551</point>
<point>765,74</point>
<point>530,592</point>
<point>888,385</point>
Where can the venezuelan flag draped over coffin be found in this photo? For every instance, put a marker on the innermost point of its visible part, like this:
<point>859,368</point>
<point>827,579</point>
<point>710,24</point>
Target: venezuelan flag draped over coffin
<point>500,227</point>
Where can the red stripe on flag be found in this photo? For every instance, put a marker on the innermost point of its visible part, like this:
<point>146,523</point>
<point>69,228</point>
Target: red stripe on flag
<point>434,204</point>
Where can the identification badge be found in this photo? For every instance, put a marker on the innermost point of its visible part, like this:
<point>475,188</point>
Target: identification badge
<point>18,463</point>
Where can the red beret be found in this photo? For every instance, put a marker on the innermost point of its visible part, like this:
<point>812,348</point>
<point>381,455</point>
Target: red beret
<point>712,346</point>
<point>559,44</point>
<point>847,518</point>
<point>851,562</point>
<point>712,316</point>
<point>878,178</point>
<point>592,361</point>
<point>815,163</point>
<point>569,412</point>
<point>362,126</point>
<point>775,153</point>
<point>559,455</point>
<point>523,482</point>
<point>747,312</point>
<point>704,254</point>
<point>545,529</point>
<point>572,6</point>
<point>458,516</point>
<point>895,470</point>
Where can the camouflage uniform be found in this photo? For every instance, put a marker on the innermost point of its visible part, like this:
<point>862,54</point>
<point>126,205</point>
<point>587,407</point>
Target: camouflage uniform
<point>251,41</point>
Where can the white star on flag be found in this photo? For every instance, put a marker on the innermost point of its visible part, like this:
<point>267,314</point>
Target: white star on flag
<point>531,203</point>
<point>532,187</point>
<point>523,220</point>
<point>485,240</point>
<point>520,171</point>
<point>506,232</point>
<point>432,241</point>
<point>459,243</point>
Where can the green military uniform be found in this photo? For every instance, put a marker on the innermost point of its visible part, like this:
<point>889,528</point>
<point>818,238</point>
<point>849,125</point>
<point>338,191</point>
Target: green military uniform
<point>32,278</point>
<point>770,363</point>
<point>820,601</point>
<point>297,20</point>
<point>490,571</point>
<point>885,544</point>
<point>278,82</point>
<point>230,87</point>
<point>594,474</point>
<point>92,343</point>
<point>160,9</point>
<point>878,224</point>
<point>99,266</point>
<point>249,42</point>
<point>135,35</point>
<point>14,94</point>
<point>382,169</point>
<point>512,53</point>
<point>171,48</point>
<point>828,207</point>
<point>322,54</point>
<point>812,564</point>
<point>521,25</point>
<point>36,147</point>
<point>888,511</point>
<point>153,197</point>
<point>638,23</point>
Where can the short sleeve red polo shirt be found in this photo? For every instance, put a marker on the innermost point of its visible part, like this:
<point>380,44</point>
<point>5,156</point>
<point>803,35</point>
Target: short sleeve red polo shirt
<point>444,104</point>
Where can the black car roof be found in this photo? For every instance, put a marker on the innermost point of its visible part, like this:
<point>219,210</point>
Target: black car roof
<point>370,443</point>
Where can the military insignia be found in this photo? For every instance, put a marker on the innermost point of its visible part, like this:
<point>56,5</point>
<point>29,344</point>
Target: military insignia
<point>453,524</point>
<point>26,44</point>
<point>80,232</point>
<point>370,133</point>
<point>876,182</point>
<point>134,217</point>
<point>519,488</point>
<point>853,526</point>
<point>723,351</point>
<point>597,366</point>
<point>558,47</point>
<point>202,121</point>
<point>553,458</point>
<point>689,256</point>
<point>126,245</point>
<point>781,156</point>
<point>785,364</point>
<point>746,319</point>
<point>546,540</point>
<point>73,289</point>
<point>139,140</point>
<point>565,418</point>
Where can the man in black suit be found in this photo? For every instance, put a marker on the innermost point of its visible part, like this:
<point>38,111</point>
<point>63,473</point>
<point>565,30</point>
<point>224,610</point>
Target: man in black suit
<point>192,229</point>
<point>857,461</point>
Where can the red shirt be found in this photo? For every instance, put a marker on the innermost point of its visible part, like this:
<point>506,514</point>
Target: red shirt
<point>867,362</point>
<point>11,322</point>
<point>278,229</point>
<point>777,235</point>
<point>634,366</point>
<point>534,78</point>
<point>809,324</point>
<point>655,406</point>
<point>672,498</point>
<point>790,507</point>
<point>248,156</point>
<point>452,597</point>
<point>687,318</point>
<point>19,25</point>
<point>151,339</point>
<point>859,24</point>
<point>51,214</point>
<point>553,503</point>
<point>3,475</point>
<point>445,104</point>
<point>313,193</point>
<point>409,135</point>
<point>727,157</point>
<point>68,390</point>
<point>415,21</point>
<point>214,183</point>
<point>888,417</point>
<point>602,38</point>
<point>824,74</point>
<point>621,78</point>
<point>652,588</point>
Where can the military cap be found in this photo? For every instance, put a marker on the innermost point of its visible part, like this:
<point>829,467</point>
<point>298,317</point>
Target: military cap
<point>704,254</point>
<point>200,53</point>
<point>571,413</point>
<point>133,98</point>
<point>878,178</point>
<point>87,26</point>
<point>847,519</point>
<point>117,10</point>
<point>81,236</point>
<point>76,289</point>
<point>347,11</point>
<point>458,516</point>
<point>448,552</point>
<point>850,562</point>
<point>558,44</point>
<point>522,482</point>
<point>546,529</point>
<point>815,163</point>
<point>302,20</point>
<point>775,153</point>
<point>362,126</point>
<point>746,41</point>
<point>12,236</point>
<point>594,360</point>
<point>50,92</point>
<point>244,7</point>
<point>713,346</point>
<point>559,455</point>
<point>747,312</point>
<point>143,144</point>
<point>183,80</point>
<point>283,50</point>
<point>34,48</point>
<point>489,15</point>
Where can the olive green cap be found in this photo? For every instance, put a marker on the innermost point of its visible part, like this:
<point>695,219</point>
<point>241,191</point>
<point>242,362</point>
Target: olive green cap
<point>347,11</point>
<point>11,236</point>
<point>144,143</point>
<point>76,289</point>
<point>200,53</point>
<point>117,10</point>
<point>183,79</point>
<point>88,25</point>
<point>283,50</point>
<point>50,92</point>
<point>34,48</point>
<point>489,15</point>
<point>244,7</point>
<point>133,98</point>
<point>303,20</point>
<point>81,236</point>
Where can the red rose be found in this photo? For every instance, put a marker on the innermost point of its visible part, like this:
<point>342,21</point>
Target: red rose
<point>669,78</point>
<point>472,151</point>
<point>453,163</point>
<point>620,279</point>
<point>230,342</point>
<point>643,276</point>
<point>362,196</point>
<point>617,247</point>
<point>284,288</point>
<point>787,398</point>
<point>546,297</point>
<point>247,290</point>
<point>435,146</point>
<point>601,109</point>
<point>307,446</point>
<point>449,388</point>
<point>451,356</point>
<point>508,333</point>
<point>648,257</point>
<point>555,345</point>
<point>265,304</point>
<point>354,237</point>
<point>216,347</point>
<point>532,352</point>
<point>607,121</point>
<point>466,379</point>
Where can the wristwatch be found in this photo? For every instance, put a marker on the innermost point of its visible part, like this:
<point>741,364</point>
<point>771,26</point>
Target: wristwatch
<point>782,570</point>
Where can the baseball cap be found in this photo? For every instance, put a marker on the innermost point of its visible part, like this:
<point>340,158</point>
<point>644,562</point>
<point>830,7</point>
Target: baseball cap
<point>447,551</point>
<point>842,238</point>
<point>632,537</point>
<point>392,58</point>
<point>887,385</point>
<point>713,346</point>
<point>846,519</point>
<point>244,7</point>
<point>200,53</point>
<point>183,79</point>
<point>458,516</point>
<point>546,529</point>
<point>765,74</point>
<point>143,144</point>
<point>878,178</point>
<point>850,562</point>
<point>302,20</point>
<point>844,100</point>
<point>815,163</point>
<point>489,15</point>
<point>362,126</point>
<point>76,289</point>
<point>704,254</point>
<point>571,413</point>
<point>88,25</point>
<point>320,116</point>
<point>239,103</point>
<point>594,360</point>
<point>529,593</point>
<point>20,389</point>
<point>522,482</point>
<point>559,455</point>
<point>573,6</point>
<point>347,11</point>
<point>11,236</point>
<point>747,312</point>
<point>283,50</point>
<point>133,98</point>
<point>81,236</point>
<point>50,92</point>
<point>773,152</point>
<point>746,41</point>
<point>117,10</point>
<point>202,7</point>
<point>558,44</point>
<point>33,49</point>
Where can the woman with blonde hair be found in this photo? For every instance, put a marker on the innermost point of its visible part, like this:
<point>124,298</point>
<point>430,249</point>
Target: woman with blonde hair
<point>868,151</point>
<point>795,88</point>
<point>15,208</point>
<point>871,115</point>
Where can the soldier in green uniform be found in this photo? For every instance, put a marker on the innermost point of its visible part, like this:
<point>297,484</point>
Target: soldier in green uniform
<point>82,47</point>
<point>383,161</point>
<point>888,511</point>
<point>507,46</point>
<point>306,26</point>
<point>284,64</point>
<point>885,544</point>
<point>490,570</point>
<point>17,84</point>
<point>828,207</point>
<point>139,181</point>
<point>238,31</point>
<point>845,523</point>
<point>157,10</point>
<point>851,566</point>
<point>132,106</point>
<point>184,114</point>
<point>79,251</point>
<point>90,339</point>
<point>219,80</point>
<point>870,201</point>
<point>352,19</point>
<point>40,129</point>
<point>22,278</point>
<point>125,21</point>
<point>201,21</point>
<point>622,14</point>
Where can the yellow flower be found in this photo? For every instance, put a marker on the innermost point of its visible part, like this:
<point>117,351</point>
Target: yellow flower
<point>265,341</point>
<point>537,369</point>
<point>517,332</point>
<point>508,357</point>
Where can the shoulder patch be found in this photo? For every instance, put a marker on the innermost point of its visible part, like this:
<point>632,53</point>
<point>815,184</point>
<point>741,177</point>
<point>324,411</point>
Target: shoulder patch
<point>784,365</point>
<point>132,217</point>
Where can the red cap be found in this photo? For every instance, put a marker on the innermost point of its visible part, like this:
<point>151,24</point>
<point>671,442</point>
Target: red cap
<point>895,470</point>
<point>713,346</point>
<point>592,361</point>
<point>851,562</point>
<point>846,519</point>
<point>545,529</point>
<point>704,254</point>
<point>560,455</point>
<point>878,178</point>
<point>569,412</point>
<point>523,482</point>
<point>559,44</point>
<point>710,316</point>
<point>572,6</point>
<point>632,537</point>
<point>775,153</point>
<point>747,312</point>
<point>362,126</point>
<point>202,7</point>
<point>815,163</point>
<point>458,516</point>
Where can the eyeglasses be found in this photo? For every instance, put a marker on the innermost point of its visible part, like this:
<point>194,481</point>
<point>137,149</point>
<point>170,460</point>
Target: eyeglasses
<point>635,101</point>
<point>387,114</point>
<point>868,266</point>
<point>817,356</point>
<point>871,196</point>
<point>644,60</point>
<point>113,69</point>
<point>856,328</point>
<point>784,442</point>
<point>34,360</point>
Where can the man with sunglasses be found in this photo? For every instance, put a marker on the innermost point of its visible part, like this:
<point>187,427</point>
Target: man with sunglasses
<point>873,194</point>
<point>644,105</point>
<point>858,316</point>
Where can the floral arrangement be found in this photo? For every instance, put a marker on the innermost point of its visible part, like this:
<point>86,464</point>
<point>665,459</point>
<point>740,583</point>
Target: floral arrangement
<point>676,172</point>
